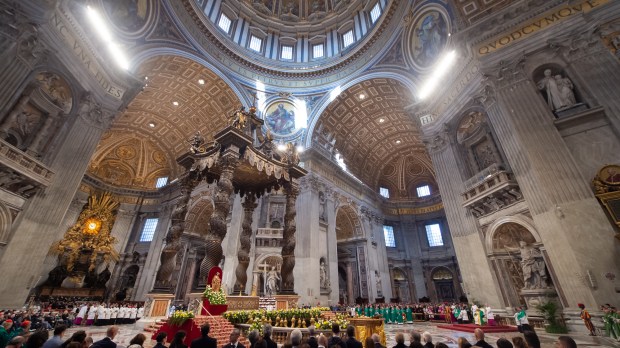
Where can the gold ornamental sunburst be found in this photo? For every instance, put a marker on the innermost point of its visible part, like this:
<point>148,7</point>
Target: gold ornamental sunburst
<point>91,232</point>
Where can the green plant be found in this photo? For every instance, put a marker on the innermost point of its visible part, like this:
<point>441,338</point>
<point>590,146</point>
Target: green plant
<point>549,311</point>
<point>178,318</point>
<point>215,297</point>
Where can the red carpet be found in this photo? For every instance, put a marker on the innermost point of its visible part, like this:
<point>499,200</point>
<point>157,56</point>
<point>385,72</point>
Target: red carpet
<point>472,327</point>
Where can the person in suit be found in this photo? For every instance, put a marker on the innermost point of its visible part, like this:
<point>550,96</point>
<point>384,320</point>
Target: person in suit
<point>369,343</point>
<point>160,339</point>
<point>428,340</point>
<point>177,341</point>
<point>205,341</point>
<point>267,330</point>
<point>479,334</point>
<point>377,340</point>
<point>415,340</point>
<point>312,341</point>
<point>234,340</point>
<point>351,341</point>
<point>107,342</point>
<point>295,338</point>
<point>322,341</point>
<point>400,340</point>
<point>335,340</point>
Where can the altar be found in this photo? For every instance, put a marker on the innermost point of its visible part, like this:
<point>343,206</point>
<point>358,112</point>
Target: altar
<point>366,327</point>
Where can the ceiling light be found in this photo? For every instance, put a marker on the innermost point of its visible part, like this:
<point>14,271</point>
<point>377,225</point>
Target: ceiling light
<point>175,103</point>
<point>281,147</point>
<point>441,69</point>
<point>398,141</point>
<point>300,148</point>
<point>201,81</point>
<point>146,77</point>
<point>381,120</point>
<point>362,96</point>
<point>151,124</point>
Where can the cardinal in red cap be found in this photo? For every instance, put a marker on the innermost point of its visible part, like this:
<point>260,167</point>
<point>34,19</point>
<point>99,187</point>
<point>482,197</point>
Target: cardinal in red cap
<point>4,332</point>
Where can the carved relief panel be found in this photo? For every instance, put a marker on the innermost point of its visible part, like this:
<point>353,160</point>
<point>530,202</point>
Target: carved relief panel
<point>475,137</point>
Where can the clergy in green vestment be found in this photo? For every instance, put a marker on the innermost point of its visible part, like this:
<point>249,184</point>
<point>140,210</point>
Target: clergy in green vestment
<point>384,313</point>
<point>367,311</point>
<point>409,315</point>
<point>399,316</point>
<point>5,336</point>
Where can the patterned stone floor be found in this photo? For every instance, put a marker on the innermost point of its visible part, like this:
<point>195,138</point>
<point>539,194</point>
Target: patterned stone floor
<point>127,332</point>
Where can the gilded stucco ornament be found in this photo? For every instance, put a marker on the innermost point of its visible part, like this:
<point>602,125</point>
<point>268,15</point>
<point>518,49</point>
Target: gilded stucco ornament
<point>90,237</point>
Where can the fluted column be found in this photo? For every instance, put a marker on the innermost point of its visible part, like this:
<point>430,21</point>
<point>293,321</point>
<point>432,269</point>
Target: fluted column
<point>39,224</point>
<point>19,62</point>
<point>228,162</point>
<point>478,278</point>
<point>560,200</point>
<point>243,255</point>
<point>288,236</point>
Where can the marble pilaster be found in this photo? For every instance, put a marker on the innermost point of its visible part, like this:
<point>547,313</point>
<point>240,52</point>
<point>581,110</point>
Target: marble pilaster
<point>478,278</point>
<point>230,244</point>
<point>41,220</point>
<point>560,200</point>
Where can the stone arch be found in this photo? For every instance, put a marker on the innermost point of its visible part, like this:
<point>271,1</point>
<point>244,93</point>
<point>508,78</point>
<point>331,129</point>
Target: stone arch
<point>441,273</point>
<point>520,220</point>
<point>198,216</point>
<point>348,223</point>
<point>6,220</point>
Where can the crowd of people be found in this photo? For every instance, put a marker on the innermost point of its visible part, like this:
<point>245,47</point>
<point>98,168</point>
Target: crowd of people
<point>101,314</point>
<point>447,312</point>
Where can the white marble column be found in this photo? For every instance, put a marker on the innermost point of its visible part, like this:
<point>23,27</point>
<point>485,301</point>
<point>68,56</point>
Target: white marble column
<point>39,223</point>
<point>560,200</point>
<point>332,246</point>
<point>478,277</point>
<point>307,249</point>
<point>145,282</point>
<point>230,244</point>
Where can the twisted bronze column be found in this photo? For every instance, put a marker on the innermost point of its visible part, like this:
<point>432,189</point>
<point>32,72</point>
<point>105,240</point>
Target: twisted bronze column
<point>217,232</point>
<point>243,255</point>
<point>288,248</point>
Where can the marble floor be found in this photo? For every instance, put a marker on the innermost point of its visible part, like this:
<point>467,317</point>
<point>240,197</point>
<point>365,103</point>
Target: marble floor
<point>127,332</point>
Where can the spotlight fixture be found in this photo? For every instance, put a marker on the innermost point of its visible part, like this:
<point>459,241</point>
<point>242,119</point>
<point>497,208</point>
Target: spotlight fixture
<point>175,103</point>
<point>201,81</point>
<point>151,124</point>
<point>398,141</point>
<point>381,120</point>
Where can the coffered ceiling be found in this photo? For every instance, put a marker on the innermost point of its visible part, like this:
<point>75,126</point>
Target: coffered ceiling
<point>173,106</point>
<point>369,128</point>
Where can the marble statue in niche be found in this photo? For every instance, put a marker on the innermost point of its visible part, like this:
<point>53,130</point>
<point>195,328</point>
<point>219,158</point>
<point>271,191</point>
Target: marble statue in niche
<point>322,206</point>
<point>558,91</point>
<point>324,279</point>
<point>379,285</point>
<point>272,282</point>
<point>534,269</point>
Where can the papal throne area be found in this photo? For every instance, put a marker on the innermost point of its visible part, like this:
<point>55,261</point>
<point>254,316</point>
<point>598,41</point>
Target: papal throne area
<point>434,172</point>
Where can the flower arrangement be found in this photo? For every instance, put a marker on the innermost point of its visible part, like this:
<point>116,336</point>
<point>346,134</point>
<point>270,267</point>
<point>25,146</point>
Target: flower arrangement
<point>285,317</point>
<point>179,318</point>
<point>214,297</point>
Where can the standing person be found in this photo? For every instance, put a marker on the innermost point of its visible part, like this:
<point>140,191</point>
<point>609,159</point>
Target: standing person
<point>92,313</point>
<point>5,337</point>
<point>122,311</point>
<point>267,330</point>
<point>351,342</point>
<point>133,313</point>
<point>368,343</point>
<point>428,340</point>
<point>107,315</point>
<point>137,341</point>
<point>531,338</point>
<point>37,339</point>
<point>81,314</point>
<point>100,316</point>
<point>140,313</point>
<point>312,341</point>
<point>587,319</point>
<point>521,319</point>
<point>377,340</point>
<point>234,340</point>
<point>160,339</point>
<point>56,340</point>
<point>335,340</point>
<point>107,341</point>
<point>204,341</point>
<point>113,314</point>
<point>479,334</point>
<point>177,341</point>
<point>415,340</point>
<point>490,315</point>
<point>400,340</point>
